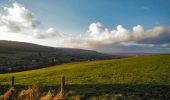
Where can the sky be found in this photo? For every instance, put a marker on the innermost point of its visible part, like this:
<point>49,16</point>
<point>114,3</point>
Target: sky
<point>110,26</point>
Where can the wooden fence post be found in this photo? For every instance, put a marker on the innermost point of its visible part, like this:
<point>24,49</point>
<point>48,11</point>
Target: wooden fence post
<point>13,79</point>
<point>62,87</point>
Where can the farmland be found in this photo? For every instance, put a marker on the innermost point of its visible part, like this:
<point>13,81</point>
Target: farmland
<point>135,74</point>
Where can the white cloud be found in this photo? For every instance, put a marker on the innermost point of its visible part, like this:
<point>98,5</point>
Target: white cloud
<point>19,20</point>
<point>49,33</point>
<point>98,35</point>
<point>19,24</point>
<point>137,44</point>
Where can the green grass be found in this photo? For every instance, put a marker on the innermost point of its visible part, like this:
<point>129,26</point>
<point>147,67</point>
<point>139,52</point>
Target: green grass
<point>153,69</point>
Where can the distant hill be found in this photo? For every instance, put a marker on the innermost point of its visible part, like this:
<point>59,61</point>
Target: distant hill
<point>19,56</point>
<point>22,46</point>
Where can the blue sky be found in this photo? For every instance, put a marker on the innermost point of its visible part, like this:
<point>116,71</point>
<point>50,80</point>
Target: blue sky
<point>75,16</point>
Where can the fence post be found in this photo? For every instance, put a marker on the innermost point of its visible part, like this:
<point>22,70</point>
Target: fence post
<point>13,79</point>
<point>62,87</point>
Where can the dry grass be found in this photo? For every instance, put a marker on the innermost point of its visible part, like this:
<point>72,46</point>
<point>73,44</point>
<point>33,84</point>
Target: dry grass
<point>31,93</point>
<point>58,96</point>
<point>26,94</point>
<point>48,96</point>
<point>7,95</point>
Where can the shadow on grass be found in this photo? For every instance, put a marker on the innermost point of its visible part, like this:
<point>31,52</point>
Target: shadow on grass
<point>143,91</point>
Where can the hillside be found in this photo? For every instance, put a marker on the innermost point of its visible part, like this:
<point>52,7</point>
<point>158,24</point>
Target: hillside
<point>19,56</point>
<point>135,78</point>
<point>153,69</point>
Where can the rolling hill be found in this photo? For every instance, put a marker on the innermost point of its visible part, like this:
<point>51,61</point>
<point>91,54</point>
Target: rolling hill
<point>136,78</point>
<point>19,56</point>
<point>153,69</point>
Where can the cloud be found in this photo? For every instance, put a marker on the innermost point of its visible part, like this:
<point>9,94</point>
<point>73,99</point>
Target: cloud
<point>133,47</point>
<point>49,33</point>
<point>98,35</point>
<point>18,23</point>
<point>19,20</point>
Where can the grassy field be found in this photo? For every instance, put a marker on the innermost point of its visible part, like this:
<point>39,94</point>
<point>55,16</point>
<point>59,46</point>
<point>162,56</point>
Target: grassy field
<point>137,78</point>
<point>153,69</point>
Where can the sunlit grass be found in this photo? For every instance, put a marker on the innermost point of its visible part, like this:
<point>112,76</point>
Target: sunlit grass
<point>136,70</point>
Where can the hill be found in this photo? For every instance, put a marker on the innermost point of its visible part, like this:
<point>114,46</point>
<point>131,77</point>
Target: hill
<point>19,56</point>
<point>153,69</point>
<point>136,78</point>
